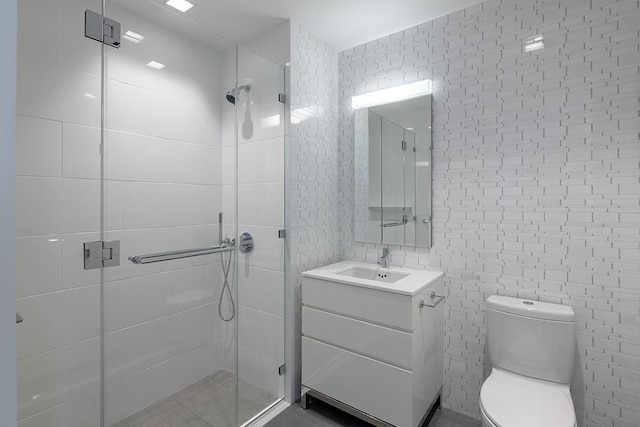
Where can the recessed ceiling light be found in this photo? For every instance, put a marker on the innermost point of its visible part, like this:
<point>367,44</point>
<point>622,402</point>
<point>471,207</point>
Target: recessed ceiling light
<point>89,95</point>
<point>181,5</point>
<point>156,65</point>
<point>133,37</point>
<point>409,128</point>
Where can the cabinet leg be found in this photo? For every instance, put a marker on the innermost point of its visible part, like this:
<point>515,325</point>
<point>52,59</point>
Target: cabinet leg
<point>304,401</point>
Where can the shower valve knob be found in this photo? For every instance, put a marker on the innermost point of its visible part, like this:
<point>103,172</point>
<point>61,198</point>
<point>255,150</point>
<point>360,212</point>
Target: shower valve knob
<point>246,243</point>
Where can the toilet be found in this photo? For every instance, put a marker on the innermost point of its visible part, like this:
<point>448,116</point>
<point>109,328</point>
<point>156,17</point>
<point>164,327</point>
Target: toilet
<point>531,345</point>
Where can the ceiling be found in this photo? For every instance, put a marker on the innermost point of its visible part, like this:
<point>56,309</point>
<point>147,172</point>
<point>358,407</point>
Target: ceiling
<point>341,24</point>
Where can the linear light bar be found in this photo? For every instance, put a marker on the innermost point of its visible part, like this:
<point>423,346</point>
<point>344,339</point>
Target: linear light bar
<point>392,94</point>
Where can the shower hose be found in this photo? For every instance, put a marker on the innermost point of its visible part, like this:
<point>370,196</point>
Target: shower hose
<point>225,287</point>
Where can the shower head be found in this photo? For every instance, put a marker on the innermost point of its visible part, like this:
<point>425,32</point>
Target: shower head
<point>231,95</point>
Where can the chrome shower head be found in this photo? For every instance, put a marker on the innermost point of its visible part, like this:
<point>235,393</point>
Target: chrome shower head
<point>231,95</point>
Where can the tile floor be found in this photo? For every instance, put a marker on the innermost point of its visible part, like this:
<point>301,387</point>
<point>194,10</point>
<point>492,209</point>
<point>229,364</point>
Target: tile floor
<point>320,414</point>
<point>207,403</point>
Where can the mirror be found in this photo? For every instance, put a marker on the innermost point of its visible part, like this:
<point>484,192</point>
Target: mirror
<point>393,173</point>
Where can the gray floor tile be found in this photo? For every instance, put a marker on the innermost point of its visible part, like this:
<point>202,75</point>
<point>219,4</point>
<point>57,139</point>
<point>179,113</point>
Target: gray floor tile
<point>446,418</point>
<point>320,414</point>
<point>211,402</point>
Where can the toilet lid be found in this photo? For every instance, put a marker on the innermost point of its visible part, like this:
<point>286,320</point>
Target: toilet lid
<point>511,400</point>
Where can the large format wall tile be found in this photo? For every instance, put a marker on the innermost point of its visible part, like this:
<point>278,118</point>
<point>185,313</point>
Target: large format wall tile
<point>81,412</point>
<point>261,161</point>
<point>47,250</point>
<point>40,385</point>
<point>262,290</point>
<point>38,147</point>
<point>57,319</point>
<point>54,206</point>
<point>261,332</point>
<point>153,113</point>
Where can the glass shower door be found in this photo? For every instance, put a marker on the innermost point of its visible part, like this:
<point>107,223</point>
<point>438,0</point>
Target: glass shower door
<point>166,359</point>
<point>260,189</point>
<point>57,209</point>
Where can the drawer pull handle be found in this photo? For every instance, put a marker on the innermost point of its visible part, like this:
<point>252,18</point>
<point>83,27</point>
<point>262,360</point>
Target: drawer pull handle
<point>435,300</point>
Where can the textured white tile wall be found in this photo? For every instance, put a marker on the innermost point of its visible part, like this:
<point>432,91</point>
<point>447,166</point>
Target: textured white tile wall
<point>313,223</point>
<point>536,188</point>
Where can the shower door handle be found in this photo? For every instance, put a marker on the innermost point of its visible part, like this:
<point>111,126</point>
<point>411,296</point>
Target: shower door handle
<point>19,318</point>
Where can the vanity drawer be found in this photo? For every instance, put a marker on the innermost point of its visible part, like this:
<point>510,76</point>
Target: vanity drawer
<point>376,306</point>
<point>373,387</point>
<point>378,342</point>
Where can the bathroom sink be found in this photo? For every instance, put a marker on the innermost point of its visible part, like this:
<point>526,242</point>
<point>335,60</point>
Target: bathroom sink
<point>398,280</point>
<point>377,274</point>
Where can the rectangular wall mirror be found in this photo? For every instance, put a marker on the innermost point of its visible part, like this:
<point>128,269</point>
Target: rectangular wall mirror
<point>393,173</point>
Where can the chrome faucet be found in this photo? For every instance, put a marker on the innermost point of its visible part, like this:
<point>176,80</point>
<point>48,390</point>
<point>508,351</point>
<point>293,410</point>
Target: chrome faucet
<point>383,261</point>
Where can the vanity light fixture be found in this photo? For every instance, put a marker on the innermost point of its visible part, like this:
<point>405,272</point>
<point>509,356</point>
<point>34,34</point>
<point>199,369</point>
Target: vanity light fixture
<point>181,5</point>
<point>392,94</point>
<point>156,65</point>
<point>534,43</point>
<point>133,37</point>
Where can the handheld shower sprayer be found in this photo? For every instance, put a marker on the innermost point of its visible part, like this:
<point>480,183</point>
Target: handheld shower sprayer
<point>226,269</point>
<point>220,228</point>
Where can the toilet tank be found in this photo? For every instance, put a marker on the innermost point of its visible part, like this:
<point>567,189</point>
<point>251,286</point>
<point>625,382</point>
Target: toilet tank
<point>531,338</point>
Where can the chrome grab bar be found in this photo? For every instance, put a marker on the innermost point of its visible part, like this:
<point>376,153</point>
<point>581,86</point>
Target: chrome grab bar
<point>188,253</point>
<point>433,303</point>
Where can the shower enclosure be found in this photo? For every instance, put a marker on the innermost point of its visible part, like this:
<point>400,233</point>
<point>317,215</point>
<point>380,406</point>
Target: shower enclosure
<point>138,182</point>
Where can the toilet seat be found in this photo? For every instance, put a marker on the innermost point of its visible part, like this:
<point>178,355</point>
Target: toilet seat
<point>512,400</point>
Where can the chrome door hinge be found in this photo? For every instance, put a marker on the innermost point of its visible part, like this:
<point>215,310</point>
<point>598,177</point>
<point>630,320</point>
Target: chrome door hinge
<point>282,98</point>
<point>101,254</point>
<point>404,145</point>
<point>282,234</point>
<point>282,369</point>
<point>102,29</point>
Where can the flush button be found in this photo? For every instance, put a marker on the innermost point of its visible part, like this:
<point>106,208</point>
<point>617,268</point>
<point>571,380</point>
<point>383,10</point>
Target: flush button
<point>527,302</point>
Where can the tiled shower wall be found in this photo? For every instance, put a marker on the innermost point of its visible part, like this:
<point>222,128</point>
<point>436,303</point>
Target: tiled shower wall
<point>536,187</point>
<point>312,172</point>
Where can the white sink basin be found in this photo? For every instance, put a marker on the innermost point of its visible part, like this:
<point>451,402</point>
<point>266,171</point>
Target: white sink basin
<point>398,280</point>
<point>377,274</point>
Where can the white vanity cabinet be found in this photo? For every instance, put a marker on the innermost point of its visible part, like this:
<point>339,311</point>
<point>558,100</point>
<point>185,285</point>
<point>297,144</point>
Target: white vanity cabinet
<point>369,344</point>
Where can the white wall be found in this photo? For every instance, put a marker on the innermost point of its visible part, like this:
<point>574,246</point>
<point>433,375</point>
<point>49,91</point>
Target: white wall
<point>8,31</point>
<point>273,44</point>
<point>536,189</point>
<point>313,192</point>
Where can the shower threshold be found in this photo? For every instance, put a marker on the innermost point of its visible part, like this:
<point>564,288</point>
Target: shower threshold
<point>208,403</point>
